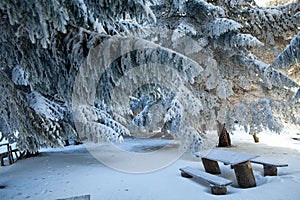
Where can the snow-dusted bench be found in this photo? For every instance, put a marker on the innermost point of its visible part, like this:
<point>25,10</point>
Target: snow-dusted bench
<point>270,169</point>
<point>14,149</point>
<point>217,184</point>
<point>5,151</point>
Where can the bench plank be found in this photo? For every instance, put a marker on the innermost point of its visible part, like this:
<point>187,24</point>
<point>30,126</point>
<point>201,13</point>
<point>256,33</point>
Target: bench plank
<point>268,163</point>
<point>213,179</point>
<point>270,169</point>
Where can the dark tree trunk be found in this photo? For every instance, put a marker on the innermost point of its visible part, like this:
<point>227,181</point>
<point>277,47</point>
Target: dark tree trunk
<point>224,137</point>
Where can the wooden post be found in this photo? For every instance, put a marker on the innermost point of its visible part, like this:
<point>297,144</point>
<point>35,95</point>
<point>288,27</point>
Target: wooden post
<point>244,175</point>
<point>270,170</point>
<point>211,166</point>
<point>10,155</point>
<point>2,159</point>
<point>218,190</point>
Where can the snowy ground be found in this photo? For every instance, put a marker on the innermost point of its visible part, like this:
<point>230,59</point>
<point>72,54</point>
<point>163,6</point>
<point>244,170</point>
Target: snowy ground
<point>58,173</point>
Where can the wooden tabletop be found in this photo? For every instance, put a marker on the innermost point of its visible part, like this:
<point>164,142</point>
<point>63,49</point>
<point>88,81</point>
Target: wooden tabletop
<point>228,157</point>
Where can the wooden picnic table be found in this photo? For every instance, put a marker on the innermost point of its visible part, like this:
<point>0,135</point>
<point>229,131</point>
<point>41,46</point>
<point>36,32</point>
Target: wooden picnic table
<point>240,162</point>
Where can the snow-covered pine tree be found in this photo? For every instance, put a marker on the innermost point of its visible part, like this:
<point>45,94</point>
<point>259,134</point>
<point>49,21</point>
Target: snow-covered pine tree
<point>268,24</point>
<point>43,45</point>
<point>244,88</point>
<point>290,56</point>
<point>206,72</point>
<point>288,60</point>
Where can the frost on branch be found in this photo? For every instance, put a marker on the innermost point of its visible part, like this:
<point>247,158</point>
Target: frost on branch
<point>96,124</point>
<point>290,55</point>
<point>43,18</point>
<point>270,76</point>
<point>266,23</point>
<point>232,41</point>
<point>246,40</point>
<point>224,89</point>
<point>220,26</point>
<point>20,76</point>
<point>258,115</point>
<point>35,130</point>
<point>263,116</point>
<point>44,106</point>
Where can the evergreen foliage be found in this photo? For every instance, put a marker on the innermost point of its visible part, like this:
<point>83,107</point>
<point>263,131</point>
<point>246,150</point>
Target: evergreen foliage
<point>188,65</point>
<point>290,56</point>
<point>266,23</point>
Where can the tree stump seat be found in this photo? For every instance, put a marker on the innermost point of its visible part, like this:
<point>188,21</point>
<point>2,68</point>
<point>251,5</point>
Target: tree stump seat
<point>270,169</point>
<point>217,184</point>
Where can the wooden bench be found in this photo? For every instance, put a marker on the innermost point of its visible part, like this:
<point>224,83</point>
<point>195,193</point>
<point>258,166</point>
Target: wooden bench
<point>217,184</point>
<point>7,153</point>
<point>270,169</point>
<point>16,151</point>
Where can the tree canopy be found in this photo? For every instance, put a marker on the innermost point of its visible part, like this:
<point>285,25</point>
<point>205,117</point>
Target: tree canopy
<point>107,69</point>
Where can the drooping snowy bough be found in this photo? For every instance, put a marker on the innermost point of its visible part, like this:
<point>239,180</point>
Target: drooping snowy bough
<point>107,69</point>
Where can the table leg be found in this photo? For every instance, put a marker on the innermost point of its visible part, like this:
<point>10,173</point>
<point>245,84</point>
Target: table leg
<point>244,175</point>
<point>270,170</point>
<point>211,166</point>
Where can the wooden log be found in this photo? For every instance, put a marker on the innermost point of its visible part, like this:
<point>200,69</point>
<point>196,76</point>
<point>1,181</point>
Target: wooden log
<point>244,175</point>
<point>270,170</point>
<point>218,190</point>
<point>211,166</point>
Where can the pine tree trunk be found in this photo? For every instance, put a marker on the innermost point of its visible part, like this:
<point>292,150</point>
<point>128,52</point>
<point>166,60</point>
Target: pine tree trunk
<point>224,137</point>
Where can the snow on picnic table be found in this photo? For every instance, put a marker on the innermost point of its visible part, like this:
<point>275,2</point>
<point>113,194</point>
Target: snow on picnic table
<point>228,157</point>
<point>62,173</point>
